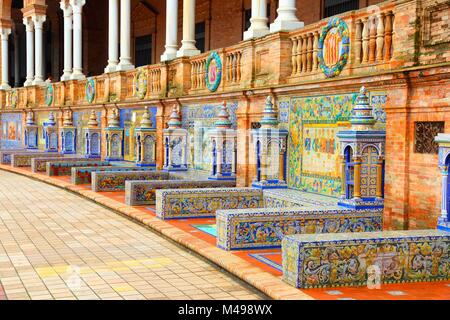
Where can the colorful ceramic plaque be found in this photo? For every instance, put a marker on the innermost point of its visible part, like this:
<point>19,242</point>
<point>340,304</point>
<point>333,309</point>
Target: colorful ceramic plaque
<point>90,90</point>
<point>213,74</point>
<point>334,46</point>
<point>140,83</point>
<point>48,94</point>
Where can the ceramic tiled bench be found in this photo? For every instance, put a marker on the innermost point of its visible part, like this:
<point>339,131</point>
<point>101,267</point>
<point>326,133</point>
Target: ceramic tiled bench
<point>63,168</point>
<point>143,192</point>
<point>24,159</point>
<point>366,259</point>
<point>5,154</point>
<point>115,180</point>
<point>83,175</point>
<point>40,164</point>
<point>194,203</point>
<point>266,227</point>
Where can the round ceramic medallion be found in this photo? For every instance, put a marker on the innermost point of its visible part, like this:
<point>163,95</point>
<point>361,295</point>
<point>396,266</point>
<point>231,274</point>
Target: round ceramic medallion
<point>90,90</point>
<point>334,46</point>
<point>48,94</point>
<point>213,74</point>
<point>140,83</point>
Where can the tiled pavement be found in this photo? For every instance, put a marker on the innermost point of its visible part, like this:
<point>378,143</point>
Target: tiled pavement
<point>56,245</point>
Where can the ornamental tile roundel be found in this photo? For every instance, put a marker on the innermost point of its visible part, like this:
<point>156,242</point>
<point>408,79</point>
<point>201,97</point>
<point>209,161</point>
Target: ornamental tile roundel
<point>90,90</point>
<point>140,83</point>
<point>334,46</point>
<point>48,94</point>
<point>213,74</point>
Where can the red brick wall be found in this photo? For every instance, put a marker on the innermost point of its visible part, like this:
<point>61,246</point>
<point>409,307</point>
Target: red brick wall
<point>413,181</point>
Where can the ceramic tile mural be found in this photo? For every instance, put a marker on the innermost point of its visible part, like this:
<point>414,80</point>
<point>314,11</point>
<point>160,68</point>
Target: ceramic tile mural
<point>11,135</point>
<point>80,121</point>
<point>329,260</point>
<point>63,168</point>
<point>313,149</point>
<point>129,120</point>
<point>266,227</point>
<point>198,119</point>
<point>40,119</point>
<point>115,180</point>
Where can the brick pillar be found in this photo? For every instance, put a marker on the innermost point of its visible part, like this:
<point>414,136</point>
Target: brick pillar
<point>397,157</point>
<point>159,137</point>
<point>243,142</point>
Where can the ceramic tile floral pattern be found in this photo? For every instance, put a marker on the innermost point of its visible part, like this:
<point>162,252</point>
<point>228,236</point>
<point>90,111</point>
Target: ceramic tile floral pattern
<point>347,261</point>
<point>194,203</point>
<point>263,228</point>
<point>24,160</point>
<point>144,192</point>
<point>40,164</point>
<point>115,180</point>
<point>82,175</point>
<point>63,168</point>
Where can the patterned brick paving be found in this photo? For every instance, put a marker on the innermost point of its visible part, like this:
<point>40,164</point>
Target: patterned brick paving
<point>56,245</point>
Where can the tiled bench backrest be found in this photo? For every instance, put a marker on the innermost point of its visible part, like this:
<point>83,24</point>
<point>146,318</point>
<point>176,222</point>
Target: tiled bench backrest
<point>361,259</point>
<point>40,164</point>
<point>143,192</point>
<point>192,203</point>
<point>266,227</point>
<point>5,155</point>
<point>24,159</point>
<point>115,180</point>
<point>82,175</point>
<point>63,168</point>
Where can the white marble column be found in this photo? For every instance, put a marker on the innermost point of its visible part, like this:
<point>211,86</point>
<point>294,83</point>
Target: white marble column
<point>4,34</point>
<point>259,20</point>
<point>16,58</point>
<point>125,36</point>
<point>39,49</point>
<point>77,8</point>
<point>188,47</point>
<point>171,30</point>
<point>29,29</point>
<point>286,19</point>
<point>113,36</point>
<point>68,21</point>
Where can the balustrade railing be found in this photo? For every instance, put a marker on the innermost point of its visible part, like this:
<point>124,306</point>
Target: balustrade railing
<point>372,33</point>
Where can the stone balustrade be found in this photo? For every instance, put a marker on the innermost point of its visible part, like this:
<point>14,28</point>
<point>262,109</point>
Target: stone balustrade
<point>365,259</point>
<point>276,59</point>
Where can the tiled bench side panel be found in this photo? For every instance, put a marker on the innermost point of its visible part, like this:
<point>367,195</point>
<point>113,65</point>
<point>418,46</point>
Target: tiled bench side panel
<point>115,180</point>
<point>265,228</point>
<point>192,203</point>
<point>63,168</point>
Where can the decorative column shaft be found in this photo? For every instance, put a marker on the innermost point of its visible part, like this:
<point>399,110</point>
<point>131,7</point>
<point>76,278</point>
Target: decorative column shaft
<point>258,27</point>
<point>343,176</point>
<point>171,30</point>
<point>125,36</point>
<point>286,19</point>
<point>29,28</point>
<point>113,35</point>
<point>444,210</point>
<point>68,20</point>
<point>379,191</point>
<point>77,7</point>
<point>39,49</point>
<point>188,47</point>
<point>4,33</point>
<point>281,166</point>
<point>357,179</point>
